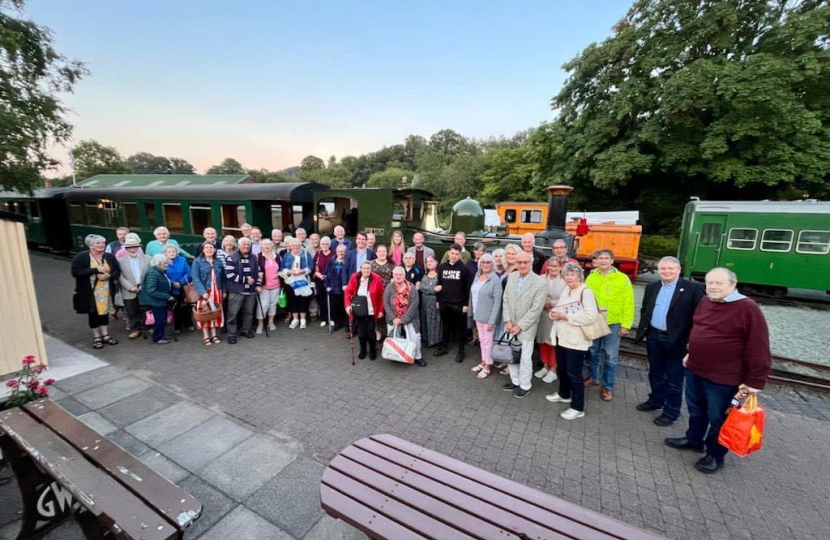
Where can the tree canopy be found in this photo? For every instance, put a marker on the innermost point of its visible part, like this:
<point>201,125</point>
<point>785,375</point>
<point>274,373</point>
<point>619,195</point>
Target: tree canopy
<point>92,157</point>
<point>32,76</point>
<point>228,166</point>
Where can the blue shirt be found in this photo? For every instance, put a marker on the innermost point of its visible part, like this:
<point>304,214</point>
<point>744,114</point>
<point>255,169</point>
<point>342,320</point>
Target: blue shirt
<point>661,306</point>
<point>360,256</point>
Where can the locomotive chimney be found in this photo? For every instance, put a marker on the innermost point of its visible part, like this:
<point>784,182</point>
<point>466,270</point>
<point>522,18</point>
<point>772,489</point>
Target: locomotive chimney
<point>557,207</point>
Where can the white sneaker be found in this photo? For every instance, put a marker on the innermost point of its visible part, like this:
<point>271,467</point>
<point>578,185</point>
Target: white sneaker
<point>331,323</point>
<point>550,377</point>
<point>302,324</point>
<point>272,326</point>
<point>556,398</point>
<point>571,414</point>
<point>295,323</point>
<point>258,329</point>
<point>323,324</point>
<point>541,373</point>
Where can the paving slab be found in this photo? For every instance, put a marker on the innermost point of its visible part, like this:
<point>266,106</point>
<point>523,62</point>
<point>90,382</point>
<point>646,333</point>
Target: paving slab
<point>165,467</point>
<point>139,405</point>
<point>98,423</point>
<point>73,406</point>
<point>91,379</point>
<point>215,506</point>
<point>169,423</point>
<point>128,442</point>
<point>291,500</point>
<point>242,524</point>
<point>329,528</point>
<point>113,391</point>
<point>204,443</point>
<point>246,468</point>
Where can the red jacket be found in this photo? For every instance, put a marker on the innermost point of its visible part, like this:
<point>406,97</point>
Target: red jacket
<point>375,292</point>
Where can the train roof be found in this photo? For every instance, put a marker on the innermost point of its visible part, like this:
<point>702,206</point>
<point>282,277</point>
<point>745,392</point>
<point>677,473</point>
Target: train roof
<point>757,207</point>
<point>41,193</point>
<point>163,180</point>
<point>301,192</point>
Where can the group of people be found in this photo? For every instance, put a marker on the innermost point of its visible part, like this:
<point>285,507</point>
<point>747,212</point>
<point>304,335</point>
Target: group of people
<point>544,308</point>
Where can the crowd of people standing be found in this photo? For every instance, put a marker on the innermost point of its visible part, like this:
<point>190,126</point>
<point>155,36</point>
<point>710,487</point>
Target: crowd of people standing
<point>543,310</point>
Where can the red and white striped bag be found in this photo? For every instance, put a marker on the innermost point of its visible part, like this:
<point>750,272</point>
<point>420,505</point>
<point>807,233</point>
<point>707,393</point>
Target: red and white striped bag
<point>400,349</point>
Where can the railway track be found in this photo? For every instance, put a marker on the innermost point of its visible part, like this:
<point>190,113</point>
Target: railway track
<point>785,371</point>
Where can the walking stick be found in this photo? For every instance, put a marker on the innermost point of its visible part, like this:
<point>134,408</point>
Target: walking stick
<point>351,337</point>
<point>262,312</point>
<point>328,309</point>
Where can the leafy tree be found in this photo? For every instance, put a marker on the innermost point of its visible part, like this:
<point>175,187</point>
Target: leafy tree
<point>228,166</point>
<point>32,117</point>
<point>181,166</point>
<point>391,178</point>
<point>146,163</point>
<point>92,157</point>
<point>451,144</point>
<point>509,176</point>
<point>694,97</point>
<point>312,163</point>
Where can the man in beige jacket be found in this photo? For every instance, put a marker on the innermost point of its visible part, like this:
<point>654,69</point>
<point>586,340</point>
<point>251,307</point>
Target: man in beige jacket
<point>524,299</point>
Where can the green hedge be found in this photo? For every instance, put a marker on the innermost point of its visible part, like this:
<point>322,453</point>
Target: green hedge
<point>656,246</point>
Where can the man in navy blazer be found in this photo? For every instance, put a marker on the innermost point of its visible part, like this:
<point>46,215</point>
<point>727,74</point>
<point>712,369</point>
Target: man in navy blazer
<point>359,254</point>
<point>666,321</point>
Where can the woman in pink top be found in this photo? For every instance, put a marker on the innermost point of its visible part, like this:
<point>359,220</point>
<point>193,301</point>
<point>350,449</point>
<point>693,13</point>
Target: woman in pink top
<point>397,248</point>
<point>269,295</point>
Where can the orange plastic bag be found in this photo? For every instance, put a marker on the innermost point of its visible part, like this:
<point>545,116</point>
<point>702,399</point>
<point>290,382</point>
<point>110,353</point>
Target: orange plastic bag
<point>743,430</point>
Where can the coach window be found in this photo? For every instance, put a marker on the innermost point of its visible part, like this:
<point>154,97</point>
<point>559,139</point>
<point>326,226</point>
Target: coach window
<point>710,234</point>
<point>130,215</point>
<point>813,242</point>
<point>173,217</point>
<point>150,212</point>
<point>200,218</point>
<point>77,215</point>
<point>233,216</point>
<point>779,240</point>
<point>531,216</point>
<point>744,239</point>
<point>510,216</point>
<point>97,215</point>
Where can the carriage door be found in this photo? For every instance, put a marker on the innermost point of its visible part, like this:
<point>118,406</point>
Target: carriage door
<point>708,241</point>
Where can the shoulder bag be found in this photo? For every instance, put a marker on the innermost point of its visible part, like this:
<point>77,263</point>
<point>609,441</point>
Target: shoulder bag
<point>597,329</point>
<point>507,349</point>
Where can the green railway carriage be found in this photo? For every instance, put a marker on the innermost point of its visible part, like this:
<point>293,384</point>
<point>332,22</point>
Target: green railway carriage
<point>45,213</point>
<point>187,210</point>
<point>770,245</point>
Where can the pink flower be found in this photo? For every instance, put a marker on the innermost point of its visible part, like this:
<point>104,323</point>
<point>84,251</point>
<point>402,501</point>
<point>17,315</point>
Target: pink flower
<point>49,382</point>
<point>36,369</point>
<point>42,391</point>
<point>29,360</point>
<point>12,383</point>
<point>34,383</point>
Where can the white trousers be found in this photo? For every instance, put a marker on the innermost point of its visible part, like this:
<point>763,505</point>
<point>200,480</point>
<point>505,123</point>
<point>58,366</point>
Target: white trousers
<point>522,373</point>
<point>268,299</point>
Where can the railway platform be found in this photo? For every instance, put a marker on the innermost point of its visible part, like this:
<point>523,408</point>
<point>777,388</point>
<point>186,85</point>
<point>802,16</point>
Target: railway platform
<point>299,388</point>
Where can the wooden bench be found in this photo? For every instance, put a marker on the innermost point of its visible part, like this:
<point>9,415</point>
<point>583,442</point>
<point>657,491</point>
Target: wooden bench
<point>392,489</point>
<point>64,469</point>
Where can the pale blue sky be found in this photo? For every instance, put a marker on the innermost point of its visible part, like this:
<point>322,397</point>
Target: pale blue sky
<point>271,82</point>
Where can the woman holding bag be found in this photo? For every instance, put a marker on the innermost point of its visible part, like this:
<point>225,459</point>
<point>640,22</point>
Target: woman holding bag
<point>364,300</point>
<point>296,269</point>
<point>179,274</point>
<point>208,274</point>
<point>400,303</point>
<point>576,307</point>
<point>484,310</point>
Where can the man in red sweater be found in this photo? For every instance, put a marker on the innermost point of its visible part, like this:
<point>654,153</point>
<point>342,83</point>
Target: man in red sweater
<point>728,356</point>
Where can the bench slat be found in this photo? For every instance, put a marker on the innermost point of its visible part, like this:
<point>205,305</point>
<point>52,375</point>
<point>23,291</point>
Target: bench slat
<point>362,517</point>
<point>430,502</point>
<point>536,520</point>
<point>573,512</point>
<point>391,508</point>
<point>90,486</point>
<point>176,505</point>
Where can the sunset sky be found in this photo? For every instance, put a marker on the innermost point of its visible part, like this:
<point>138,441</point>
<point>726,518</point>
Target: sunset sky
<point>269,82</point>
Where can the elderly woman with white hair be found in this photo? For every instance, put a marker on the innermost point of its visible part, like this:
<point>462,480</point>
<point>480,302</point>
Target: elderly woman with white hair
<point>297,265</point>
<point>156,247</point>
<point>155,294</point>
<point>485,310</point>
<point>269,294</point>
<point>321,261</point>
<point>95,273</point>
<point>401,303</point>
<point>178,271</point>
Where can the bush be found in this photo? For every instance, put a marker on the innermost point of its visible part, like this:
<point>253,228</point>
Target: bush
<point>656,245</point>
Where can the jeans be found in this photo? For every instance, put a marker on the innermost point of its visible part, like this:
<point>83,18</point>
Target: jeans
<point>569,364</point>
<point>665,374</point>
<point>606,351</point>
<point>454,323</point>
<point>160,316</point>
<point>708,403</point>
<point>522,373</point>
<point>241,305</point>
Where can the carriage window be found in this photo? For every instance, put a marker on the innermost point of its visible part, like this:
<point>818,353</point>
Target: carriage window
<point>34,211</point>
<point>150,211</point>
<point>777,240</point>
<point>276,216</point>
<point>710,234</point>
<point>200,219</point>
<point>531,216</point>
<point>77,215</point>
<point>510,216</point>
<point>233,216</point>
<point>130,215</point>
<point>297,213</point>
<point>813,242</point>
<point>97,215</point>
<point>742,239</point>
<point>173,217</point>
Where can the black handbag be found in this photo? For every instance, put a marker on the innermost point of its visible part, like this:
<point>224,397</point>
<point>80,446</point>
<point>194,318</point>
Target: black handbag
<point>360,306</point>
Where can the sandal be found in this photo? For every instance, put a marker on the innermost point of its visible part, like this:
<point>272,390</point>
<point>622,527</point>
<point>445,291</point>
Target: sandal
<point>215,340</point>
<point>483,374</point>
<point>207,342</point>
<point>505,371</point>
<point>109,340</point>
<point>477,368</point>
<point>97,343</point>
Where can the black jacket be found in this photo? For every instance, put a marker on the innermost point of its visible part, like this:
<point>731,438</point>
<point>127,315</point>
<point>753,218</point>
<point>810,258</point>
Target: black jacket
<point>83,301</point>
<point>687,295</point>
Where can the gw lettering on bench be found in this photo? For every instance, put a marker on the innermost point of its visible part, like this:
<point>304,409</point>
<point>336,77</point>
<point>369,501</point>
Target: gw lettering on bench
<point>63,497</point>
